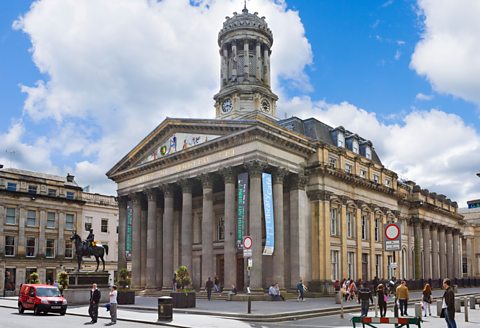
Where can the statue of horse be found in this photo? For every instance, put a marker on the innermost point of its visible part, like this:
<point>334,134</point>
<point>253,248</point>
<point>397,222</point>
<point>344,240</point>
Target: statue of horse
<point>81,251</point>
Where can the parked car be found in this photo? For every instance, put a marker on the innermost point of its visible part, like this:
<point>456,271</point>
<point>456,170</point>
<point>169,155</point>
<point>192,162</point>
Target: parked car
<point>41,298</point>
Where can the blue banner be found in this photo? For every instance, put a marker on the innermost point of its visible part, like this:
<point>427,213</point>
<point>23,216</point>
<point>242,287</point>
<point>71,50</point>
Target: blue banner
<point>242,194</point>
<point>268,213</point>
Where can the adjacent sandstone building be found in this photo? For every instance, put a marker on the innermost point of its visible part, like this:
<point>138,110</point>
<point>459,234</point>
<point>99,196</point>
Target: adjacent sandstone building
<point>313,198</point>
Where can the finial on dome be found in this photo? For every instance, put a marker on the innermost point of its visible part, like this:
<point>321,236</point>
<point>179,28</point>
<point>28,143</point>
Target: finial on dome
<point>245,10</point>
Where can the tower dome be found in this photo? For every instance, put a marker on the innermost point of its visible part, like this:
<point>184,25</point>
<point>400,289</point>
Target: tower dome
<point>245,43</point>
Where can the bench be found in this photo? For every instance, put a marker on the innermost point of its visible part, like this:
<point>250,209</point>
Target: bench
<point>398,322</point>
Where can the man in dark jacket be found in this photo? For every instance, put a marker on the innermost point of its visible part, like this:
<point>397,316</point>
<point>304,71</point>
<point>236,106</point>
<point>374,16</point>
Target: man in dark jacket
<point>448,304</point>
<point>209,287</point>
<point>364,296</point>
<point>94,300</point>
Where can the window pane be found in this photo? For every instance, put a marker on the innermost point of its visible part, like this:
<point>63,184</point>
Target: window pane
<point>70,194</point>
<point>9,245</point>
<point>104,226</point>
<point>32,189</point>
<point>52,192</point>
<point>11,186</point>
<point>51,220</point>
<point>50,249</point>
<point>68,249</point>
<point>31,218</point>
<point>10,219</point>
<point>69,221</point>
<point>31,247</point>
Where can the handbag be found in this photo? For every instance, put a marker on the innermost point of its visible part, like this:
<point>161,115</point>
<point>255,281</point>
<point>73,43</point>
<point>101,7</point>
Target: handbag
<point>385,298</point>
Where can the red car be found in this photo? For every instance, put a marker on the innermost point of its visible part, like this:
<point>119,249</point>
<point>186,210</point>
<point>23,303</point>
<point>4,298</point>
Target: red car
<point>41,298</point>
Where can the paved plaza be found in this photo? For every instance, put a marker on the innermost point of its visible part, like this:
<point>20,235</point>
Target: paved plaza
<point>227,314</point>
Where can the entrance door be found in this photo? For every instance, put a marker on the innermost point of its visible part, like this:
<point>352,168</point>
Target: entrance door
<point>240,274</point>
<point>365,267</point>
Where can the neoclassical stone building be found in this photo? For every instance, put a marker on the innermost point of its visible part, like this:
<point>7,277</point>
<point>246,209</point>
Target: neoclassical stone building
<point>196,186</point>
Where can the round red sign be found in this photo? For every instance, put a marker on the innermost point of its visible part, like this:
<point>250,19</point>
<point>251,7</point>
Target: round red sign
<point>392,231</point>
<point>247,242</point>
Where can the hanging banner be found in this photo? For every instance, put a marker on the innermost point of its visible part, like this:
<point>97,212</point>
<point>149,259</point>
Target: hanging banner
<point>268,213</point>
<point>242,194</point>
<point>128,239</point>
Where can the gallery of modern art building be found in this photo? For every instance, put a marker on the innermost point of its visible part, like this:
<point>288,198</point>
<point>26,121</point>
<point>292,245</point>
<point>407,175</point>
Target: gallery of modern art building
<point>313,198</point>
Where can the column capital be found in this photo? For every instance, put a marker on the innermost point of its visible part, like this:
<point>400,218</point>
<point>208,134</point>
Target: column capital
<point>167,190</point>
<point>319,195</point>
<point>229,174</point>
<point>279,174</point>
<point>255,168</point>
<point>298,181</point>
<point>426,224</point>
<point>344,199</point>
<point>186,185</point>
<point>136,198</point>
<point>122,201</point>
<point>206,179</point>
<point>434,226</point>
<point>151,194</point>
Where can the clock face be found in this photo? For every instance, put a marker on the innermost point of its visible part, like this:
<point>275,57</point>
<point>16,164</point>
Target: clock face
<point>227,105</point>
<point>265,105</point>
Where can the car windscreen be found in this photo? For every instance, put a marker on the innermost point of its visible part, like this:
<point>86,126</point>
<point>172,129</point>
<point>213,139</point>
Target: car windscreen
<point>48,292</point>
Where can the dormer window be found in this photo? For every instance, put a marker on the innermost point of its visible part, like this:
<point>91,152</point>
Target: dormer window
<point>355,147</point>
<point>332,162</point>
<point>368,152</point>
<point>340,140</point>
<point>376,178</point>
<point>388,182</point>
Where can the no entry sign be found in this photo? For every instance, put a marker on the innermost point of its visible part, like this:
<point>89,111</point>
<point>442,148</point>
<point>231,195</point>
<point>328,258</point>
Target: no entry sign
<point>393,240</point>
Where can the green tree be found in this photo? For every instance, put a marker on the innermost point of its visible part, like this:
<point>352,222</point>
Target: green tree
<point>123,278</point>
<point>62,281</point>
<point>183,277</point>
<point>33,278</point>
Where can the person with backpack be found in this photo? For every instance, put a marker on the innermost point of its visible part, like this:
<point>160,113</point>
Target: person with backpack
<point>364,296</point>
<point>382,300</point>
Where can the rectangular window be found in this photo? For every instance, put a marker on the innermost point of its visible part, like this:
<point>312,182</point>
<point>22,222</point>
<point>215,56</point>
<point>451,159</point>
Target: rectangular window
<point>388,182</point>
<point>332,162</point>
<point>68,249</point>
<point>335,265</point>
<point>104,226</point>
<point>69,221</point>
<point>376,178</point>
<point>10,217</point>
<point>88,223</point>
<point>378,265</point>
<point>377,229</point>
<point>350,225</point>
<point>363,173</point>
<point>348,168</point>
<point>70,195</point>
<point>355,149</point>
<point>52,192</point>
<point>31,243</point>
<point>351,264</point>
<point>334,222</point>
<point>51,220</point>
<point>31,218</point>
<point>364,227</point>
<point>9,246</point>
<point>11,186</point>
<point>220,228</point>
<point>10,278</point>
<point>50,248</point>
<point>50,276</point>
<point>368,153</point>
<point>32,189</point>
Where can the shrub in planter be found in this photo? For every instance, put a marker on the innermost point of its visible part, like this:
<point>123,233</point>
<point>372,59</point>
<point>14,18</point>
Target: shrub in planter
<point>33,278</point>
<point>62,280</point>
<point>125,295</point>
<point>184,297</point>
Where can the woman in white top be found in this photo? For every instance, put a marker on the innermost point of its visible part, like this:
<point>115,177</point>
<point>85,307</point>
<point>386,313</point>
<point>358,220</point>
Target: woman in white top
<point>113,305</point>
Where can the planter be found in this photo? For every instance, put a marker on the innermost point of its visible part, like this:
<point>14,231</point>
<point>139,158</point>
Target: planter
<point>126,297</point>
<point>183,299</point>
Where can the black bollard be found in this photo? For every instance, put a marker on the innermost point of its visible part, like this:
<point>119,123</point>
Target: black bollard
<point>249,304</point>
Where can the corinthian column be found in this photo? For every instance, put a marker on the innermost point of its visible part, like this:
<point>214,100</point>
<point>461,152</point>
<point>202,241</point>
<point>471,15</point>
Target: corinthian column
<point>136,251</point>
<point>457,255</point>
<point>229,250</point>
<point>417,236</point>
<point>442,248</point>
<point>151,280</point>
<point>255,169</point>
<point>207,227</point>
<point>450,255</point>
<point>435,262</point>
<point>167,238</point>
<point>427,273</point>
<point>187,224</point>
<point>278,253</point>
<point>122,232</point>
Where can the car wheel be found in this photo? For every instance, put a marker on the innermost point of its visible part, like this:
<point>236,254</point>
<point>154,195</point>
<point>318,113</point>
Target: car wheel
<point>20,308</point>
<point>36,310</point>
<point>63,312</point>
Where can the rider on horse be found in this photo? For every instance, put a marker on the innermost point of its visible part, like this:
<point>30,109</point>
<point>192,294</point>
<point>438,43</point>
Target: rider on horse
<point>89,241</point>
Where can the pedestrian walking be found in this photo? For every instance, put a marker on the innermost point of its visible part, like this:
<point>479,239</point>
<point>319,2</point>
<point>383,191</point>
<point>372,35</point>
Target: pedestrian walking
<point>448,304</point>
<point>216,284</point>
<point>427,299</point>
<point>364,296</point>
<point>174,282</point>
<point>402,297</point>
<point>382,300</point>
<point>209,287</point>
<point>301,291</point>
<point>113,305</point>
<point>94,300</point>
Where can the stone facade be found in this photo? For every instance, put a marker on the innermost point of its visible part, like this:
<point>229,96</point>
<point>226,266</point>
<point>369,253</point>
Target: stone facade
<point>332,197</point>
<point>38,213</point>
<point>471,240</point>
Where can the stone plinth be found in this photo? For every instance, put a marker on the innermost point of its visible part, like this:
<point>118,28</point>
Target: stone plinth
<point>80,284</point>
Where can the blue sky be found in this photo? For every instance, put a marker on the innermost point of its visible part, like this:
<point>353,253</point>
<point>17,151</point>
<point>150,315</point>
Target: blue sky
<point>100,76</point>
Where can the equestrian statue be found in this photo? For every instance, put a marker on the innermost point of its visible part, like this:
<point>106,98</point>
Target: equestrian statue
<point>88,248</point>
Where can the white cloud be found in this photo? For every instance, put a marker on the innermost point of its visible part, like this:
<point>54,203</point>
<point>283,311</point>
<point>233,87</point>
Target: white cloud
<point>447,54</point>
<point>397,55</point>
<point>416,149</point>
<point>115,69</point>
<point>423,97</point>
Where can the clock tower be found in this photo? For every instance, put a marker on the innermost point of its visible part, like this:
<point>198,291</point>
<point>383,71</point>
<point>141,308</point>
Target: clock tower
<point>245,43</point>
